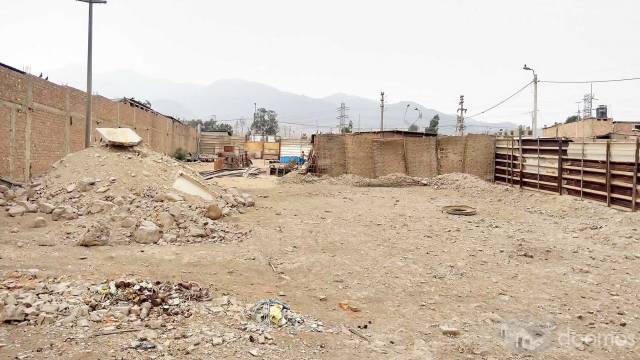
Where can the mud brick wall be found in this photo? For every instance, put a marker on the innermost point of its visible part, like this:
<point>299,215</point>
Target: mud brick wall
<point>388,157</point>
<point>421,156</point>
<point>41,122</point>
<point>331,154</point>
<point>479,154</point>
<point>359,148</point>
<point>451,154</point>
<point>370,156</point>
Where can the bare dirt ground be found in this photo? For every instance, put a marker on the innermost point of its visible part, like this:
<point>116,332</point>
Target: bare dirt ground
<point>384,270</point>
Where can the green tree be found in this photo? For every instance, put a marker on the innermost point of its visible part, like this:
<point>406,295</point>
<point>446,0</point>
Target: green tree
<point>572,118</point>
<point>347,129</point>
<point>265,122</point>
<point>210,125</point>
<point>413,127</point>
<point>433,125</point>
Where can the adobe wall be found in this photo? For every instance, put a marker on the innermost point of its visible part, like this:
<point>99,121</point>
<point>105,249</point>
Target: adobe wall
<point>421,157</point>
<point>580,129</point>
<point>359,148</point>
<point>388,157</point>
<point>370,156</point>
<point>331,155</point>
<point>41,122</point>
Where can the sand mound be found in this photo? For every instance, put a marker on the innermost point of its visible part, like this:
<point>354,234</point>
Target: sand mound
<point>129,191</point>
<point>454,181</point>
<point>391,180</point>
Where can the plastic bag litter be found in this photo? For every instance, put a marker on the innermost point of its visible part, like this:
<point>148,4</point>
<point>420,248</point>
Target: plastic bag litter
<point>271,312</point>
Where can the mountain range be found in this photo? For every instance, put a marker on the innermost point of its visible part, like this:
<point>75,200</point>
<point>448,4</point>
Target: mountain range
<point>233,99</point>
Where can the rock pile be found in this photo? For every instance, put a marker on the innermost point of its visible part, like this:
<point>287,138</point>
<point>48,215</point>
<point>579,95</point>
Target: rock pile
<point>99,190</point>
<point>25,299</point>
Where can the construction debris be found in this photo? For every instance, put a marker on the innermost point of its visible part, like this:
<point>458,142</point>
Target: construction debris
<point>248,172</point>
<point>165,205</point>
<point>191,186</point>
<point>119,136</point>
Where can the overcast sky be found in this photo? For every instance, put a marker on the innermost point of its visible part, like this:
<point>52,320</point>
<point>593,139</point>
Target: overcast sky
<point>424,51</point>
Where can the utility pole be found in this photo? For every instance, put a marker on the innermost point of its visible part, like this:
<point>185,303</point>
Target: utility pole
<point>460,119</point>
<point>342,117</point>
<point>358,122</point>
<point>87,130</point>
<point>382,113</point>
<point>534,122</point>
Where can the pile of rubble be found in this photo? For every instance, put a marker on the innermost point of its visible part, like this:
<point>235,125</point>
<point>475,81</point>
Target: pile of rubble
<point>459,181</point>
<point>391,180</point>
<point>453,181</point>
<point>122,195</point>
<point>25,299</point>
<point>166,318</point>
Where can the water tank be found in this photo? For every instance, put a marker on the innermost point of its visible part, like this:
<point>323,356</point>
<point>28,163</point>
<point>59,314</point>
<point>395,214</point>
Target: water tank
<point>601,112</point>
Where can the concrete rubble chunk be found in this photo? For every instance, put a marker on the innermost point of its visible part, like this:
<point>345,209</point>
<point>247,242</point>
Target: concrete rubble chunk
<point>97,234</point>
<point>197,232</point>
<point>39,222</point>
<point>29,206</point>
<point>188,185</point>
<point>10,195</point>
<point>119,136</point>
<point>147,233</point>
<point>128,222</point>
<point>17,210</point>
<point>64,212</point>
<point>86,184</point>
<point>3,189</point>
<point>248,200</point>
<point>165,220</point>
<point>12,313</point>
<point>170,197</point>
<point>98,206</point>
<point>45,208</point>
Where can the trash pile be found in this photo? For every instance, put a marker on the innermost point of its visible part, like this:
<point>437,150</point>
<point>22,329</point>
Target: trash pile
<point>25,299</point>
<point>274,314</point>
<point>144,297</point>
<point>129,194</point>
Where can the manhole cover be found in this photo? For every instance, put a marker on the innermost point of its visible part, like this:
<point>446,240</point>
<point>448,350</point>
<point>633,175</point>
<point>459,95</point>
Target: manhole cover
<point>459,210</point>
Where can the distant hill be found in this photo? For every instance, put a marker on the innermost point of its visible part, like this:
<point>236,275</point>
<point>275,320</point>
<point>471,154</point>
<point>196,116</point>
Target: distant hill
<point>231,99</point>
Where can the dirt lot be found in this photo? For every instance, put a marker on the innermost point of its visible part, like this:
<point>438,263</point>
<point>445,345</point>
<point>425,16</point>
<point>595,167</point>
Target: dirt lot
<point>386,273</point>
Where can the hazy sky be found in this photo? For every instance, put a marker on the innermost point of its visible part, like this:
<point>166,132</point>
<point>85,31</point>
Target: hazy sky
<point>424,51</point>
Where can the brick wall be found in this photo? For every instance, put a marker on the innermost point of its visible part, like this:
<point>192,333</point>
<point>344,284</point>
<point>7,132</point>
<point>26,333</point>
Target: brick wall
<point>41,122</point>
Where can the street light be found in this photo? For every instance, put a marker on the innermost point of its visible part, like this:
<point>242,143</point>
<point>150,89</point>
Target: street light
<point>87,127</point>
<point>404,117</point>
<point>534,123</point>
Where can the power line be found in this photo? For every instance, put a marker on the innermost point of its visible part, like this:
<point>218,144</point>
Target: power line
<point>589,82</point>
<point>460,117</point>
<point>503,101</point>
<point>342,116</point>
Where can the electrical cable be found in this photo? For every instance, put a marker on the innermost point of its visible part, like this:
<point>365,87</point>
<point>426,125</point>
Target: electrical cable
<point>588,82</point>
<point>503,101</point>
